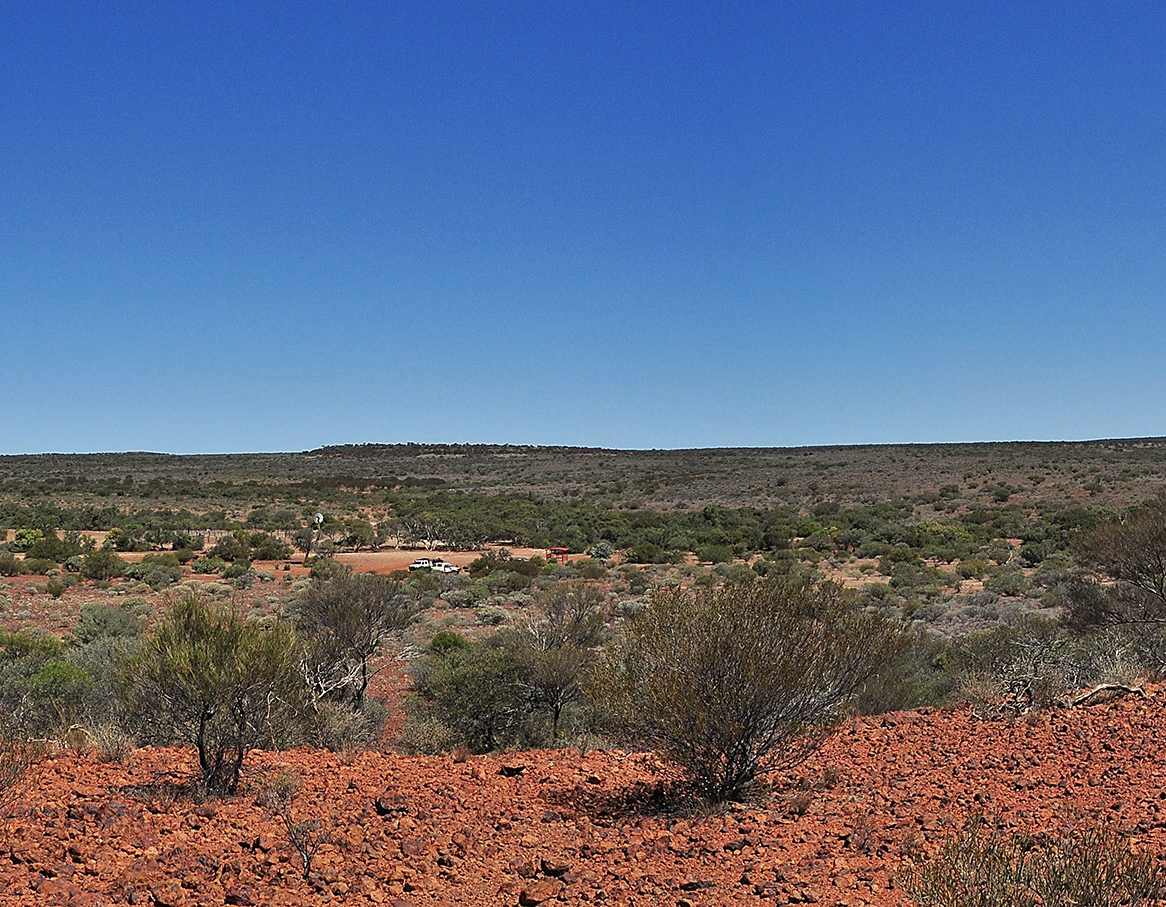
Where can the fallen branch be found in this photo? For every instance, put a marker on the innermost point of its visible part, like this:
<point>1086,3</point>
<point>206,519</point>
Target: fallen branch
<point>1120,689</point>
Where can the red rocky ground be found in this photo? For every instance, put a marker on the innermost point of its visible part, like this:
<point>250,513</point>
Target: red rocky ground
<point>581,829</point>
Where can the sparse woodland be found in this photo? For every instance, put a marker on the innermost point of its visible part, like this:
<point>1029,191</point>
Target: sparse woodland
<point>725,611</point>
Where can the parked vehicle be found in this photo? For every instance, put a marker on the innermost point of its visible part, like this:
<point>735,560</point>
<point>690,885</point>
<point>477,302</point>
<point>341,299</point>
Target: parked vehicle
<point>437,565</point>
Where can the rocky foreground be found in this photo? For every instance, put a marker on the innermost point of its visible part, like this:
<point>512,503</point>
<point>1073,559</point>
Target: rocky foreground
<point>563,827</point>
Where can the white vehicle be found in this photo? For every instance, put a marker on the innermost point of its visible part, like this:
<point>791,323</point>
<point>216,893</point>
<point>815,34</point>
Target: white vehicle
<point>441,566</point>
<point>422,563</point>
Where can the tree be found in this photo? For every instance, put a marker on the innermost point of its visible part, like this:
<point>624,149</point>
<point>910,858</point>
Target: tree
<point>347,619</point>
<point>207,677</point>
<point>555,654</point>
<point>745,679</point>
<point>302,539</point>
<point>1132,552</point>
<point>277,793</point>
<point>102,564</point>
<point>470,688</point>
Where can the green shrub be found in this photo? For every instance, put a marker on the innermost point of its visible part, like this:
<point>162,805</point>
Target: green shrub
<point>208,565</point>
<point>37,566</point>
<point>469,689</point>
<point>156,570</point>
<point>714,554</point>
<point>98,620</point>
<point>971,568</point>
<point>490,615</point>
<point>9,564</point>
<point>983,868</point>
<point>1008,581</point>
<point>102,564</point>
<point>207,678</point>
<point>745,679</point>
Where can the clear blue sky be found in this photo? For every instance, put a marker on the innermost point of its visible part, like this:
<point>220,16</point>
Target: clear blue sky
<point>244,227</point>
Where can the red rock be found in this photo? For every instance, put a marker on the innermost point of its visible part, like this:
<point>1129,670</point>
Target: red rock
<point>537,892</point>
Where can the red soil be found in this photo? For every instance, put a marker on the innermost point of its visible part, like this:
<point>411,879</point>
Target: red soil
<point>581,828</point>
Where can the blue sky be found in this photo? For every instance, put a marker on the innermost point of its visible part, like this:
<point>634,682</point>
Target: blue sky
<point>245,227</point>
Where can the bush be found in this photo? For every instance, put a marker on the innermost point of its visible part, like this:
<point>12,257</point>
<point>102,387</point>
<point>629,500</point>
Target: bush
<point>490,615</point>
<point>1008,581</point>
<point>9,565</point>
<point>739,681</point>
<point>1131,552</point>
<point>346,620</point>
<point>982,868</point>
<point>156,570</point>
<point>206,677</point>
<point>17,756</point>
<point>124,620</point>
<point>37,566</point>
<point>715,554</point>
<point>468,693</point>
<point>208,565</point>
<point>102,564</point>
<point>277,793</point>
<point>555,653</point>
<point>40,693</point>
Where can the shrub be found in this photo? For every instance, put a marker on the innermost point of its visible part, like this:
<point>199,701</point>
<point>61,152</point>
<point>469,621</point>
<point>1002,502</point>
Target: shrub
<point>208,565</point>
<point>601,551</point>
<point>490,615</point>
<point>277,793</point>
<point>739,681</point>
<point>124,620</point>
<point>102,564</point>
<point>982,868</point>
<point>9,565</point>
<point>37,566</point>
<point>470,690</point>
<point>17,756</point>
<point>40,693</point>
<point>1008,581</point>
<point>1132,552</point>
<point>556,652</point>
<point>346,620</point>
<point>156,570</point>
<point>715,554</point>
<point>208,678</point>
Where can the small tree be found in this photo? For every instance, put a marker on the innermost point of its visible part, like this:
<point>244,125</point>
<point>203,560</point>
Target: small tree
<point>1132,552</point>
<point>102,564</point>
<point>471,689</point>
<point>555,654</point>
<point>742,680</point>
<point>207,677</point>
<point>277,793</point>
<point>347,619</point>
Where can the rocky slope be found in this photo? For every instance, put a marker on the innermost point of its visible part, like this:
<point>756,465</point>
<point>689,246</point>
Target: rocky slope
<point>563,827</point>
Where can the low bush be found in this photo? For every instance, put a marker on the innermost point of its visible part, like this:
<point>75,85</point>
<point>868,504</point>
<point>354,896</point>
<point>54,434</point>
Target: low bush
<point>745,679</point>
<point>983,868</point>
<point>207,678</point>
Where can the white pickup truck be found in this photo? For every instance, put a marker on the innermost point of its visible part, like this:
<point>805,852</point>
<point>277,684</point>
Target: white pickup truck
<point>437,565</point>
